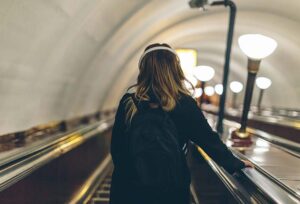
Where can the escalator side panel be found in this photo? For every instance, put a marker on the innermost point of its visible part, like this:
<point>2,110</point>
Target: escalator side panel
<point>56,181</point>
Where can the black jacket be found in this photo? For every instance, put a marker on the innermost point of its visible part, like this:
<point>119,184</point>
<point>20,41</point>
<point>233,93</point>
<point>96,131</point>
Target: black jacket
<point>191,125</point>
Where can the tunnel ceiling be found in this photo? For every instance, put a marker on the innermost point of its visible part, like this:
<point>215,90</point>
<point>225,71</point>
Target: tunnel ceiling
<point>65,58</point>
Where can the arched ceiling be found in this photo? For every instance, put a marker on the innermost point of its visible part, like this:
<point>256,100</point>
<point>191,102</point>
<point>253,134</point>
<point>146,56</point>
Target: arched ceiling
<point>65,58</point>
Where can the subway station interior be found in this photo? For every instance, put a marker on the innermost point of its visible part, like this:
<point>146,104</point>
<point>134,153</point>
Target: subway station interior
<point>65,64</point>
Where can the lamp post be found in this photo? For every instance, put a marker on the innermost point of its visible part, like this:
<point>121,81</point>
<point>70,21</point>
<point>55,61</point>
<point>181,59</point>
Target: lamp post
<point>232,13</point>
<point>262,83</point>
<point>203,73</point>
<point>236,87</point>
<point>256,47</point>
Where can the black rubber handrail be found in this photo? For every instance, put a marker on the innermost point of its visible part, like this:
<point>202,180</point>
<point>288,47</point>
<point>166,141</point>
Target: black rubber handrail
<point>237,191</point>
<point>270,189</point>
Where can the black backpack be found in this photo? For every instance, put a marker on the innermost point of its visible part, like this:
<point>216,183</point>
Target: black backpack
<point>157,160</point>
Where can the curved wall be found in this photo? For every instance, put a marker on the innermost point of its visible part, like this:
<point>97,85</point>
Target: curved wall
<point>65,58</point>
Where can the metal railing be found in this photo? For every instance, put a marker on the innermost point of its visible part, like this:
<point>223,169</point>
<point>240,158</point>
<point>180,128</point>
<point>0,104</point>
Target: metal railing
<point>270,190</point>
<point>292,122</point>
<point>84,194</point>
<point>15,167</point>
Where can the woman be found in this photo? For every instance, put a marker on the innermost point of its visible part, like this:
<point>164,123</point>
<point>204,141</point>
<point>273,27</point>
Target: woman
<point>160,84</point>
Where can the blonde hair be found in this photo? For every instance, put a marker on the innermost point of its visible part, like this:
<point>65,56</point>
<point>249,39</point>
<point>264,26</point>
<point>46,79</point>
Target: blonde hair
<point>160,73</point>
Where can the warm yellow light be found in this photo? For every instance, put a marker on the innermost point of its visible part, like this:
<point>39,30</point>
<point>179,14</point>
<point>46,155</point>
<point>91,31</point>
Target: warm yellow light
<point>188,59</point>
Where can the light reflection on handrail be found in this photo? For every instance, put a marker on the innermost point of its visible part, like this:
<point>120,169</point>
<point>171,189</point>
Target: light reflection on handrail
<point>84,194</point>
<point>266,184</point>
<point>22,167</point>
<point>238,192</point>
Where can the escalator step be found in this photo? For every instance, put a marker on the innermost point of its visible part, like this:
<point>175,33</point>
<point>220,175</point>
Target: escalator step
<point>102,194</point>
<point>100,201</point>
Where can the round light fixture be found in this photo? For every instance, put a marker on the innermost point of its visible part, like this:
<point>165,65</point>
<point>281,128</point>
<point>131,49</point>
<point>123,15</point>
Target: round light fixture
<point>263,82</point>
<point>209,90</point>
<point>198,92</point>
<point>257,46</point>
<point>204,73</point>
<point>219,89</point>
<point>236,87</point>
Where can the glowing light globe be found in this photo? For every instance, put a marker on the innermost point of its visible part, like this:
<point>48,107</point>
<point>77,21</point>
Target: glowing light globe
<point>236,87</point>
<point>204,73</point>
<point>219,89</point>
<point>257,46</point>
<point>198,92</point>
<point>263,82</point>
<point>209,90</point>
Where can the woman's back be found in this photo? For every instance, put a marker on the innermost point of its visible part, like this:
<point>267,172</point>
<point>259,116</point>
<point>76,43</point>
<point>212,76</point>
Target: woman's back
<point>160,83</point>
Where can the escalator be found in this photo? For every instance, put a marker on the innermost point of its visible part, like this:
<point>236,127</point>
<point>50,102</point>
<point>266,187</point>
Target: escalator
<point>96,189</point>
<point>75,167</point>
<point>212,184</point>
<point>49,169</point>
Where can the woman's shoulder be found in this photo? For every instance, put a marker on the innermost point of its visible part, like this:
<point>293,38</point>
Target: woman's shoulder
<point>186,104</point>
<point>186,100</point>
<point>128,94</point>
<point>125,97</point>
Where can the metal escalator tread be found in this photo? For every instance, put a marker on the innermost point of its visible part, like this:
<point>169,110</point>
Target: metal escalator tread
<point>101,195</point>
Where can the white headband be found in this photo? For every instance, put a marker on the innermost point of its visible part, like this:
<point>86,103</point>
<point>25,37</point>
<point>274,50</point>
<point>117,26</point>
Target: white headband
<point>156,48</point>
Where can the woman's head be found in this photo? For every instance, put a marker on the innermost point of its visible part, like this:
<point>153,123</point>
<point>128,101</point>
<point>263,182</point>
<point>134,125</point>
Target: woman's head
<point>161,76</point>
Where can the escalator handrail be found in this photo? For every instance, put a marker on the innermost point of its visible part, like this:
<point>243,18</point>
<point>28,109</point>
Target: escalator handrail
<point>260,177</point>
<point>84,194</point>
<point>238,192</point>
<point>290,147</point>
<point>274,120</point>
<point>18,169</point>
<point>266,184</point>
<point>37,146</point>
